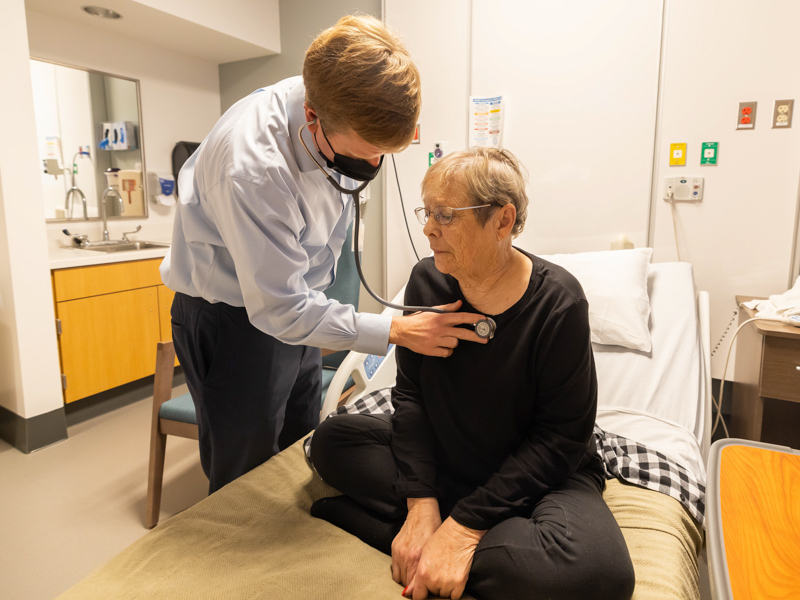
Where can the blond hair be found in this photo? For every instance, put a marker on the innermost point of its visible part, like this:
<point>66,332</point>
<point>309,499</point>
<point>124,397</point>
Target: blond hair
<point>484,176</point>
<point>359,77</point>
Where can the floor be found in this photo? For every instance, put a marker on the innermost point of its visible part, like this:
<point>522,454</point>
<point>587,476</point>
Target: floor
<point>68,508</point>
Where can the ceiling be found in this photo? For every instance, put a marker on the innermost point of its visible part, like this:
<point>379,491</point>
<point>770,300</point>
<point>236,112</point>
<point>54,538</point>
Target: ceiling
<point>155,27</point>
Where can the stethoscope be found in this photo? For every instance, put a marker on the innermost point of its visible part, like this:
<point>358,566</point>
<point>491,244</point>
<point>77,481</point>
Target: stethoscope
<point>485,328</point>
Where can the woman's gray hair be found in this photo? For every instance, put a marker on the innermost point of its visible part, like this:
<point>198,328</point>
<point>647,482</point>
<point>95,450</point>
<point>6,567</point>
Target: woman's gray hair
<point>485,176</point>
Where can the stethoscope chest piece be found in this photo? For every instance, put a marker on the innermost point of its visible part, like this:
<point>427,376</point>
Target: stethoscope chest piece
<point>485,328</point>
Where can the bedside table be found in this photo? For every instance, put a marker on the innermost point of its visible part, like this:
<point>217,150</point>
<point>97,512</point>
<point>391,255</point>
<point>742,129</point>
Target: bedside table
<point>767,367</point>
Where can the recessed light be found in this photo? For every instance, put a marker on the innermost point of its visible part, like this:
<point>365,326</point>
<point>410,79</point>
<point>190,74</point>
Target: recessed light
<point>103,13</point>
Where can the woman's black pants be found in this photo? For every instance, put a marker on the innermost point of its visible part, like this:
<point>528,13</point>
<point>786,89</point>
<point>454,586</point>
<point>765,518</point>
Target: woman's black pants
<point>570,547</point>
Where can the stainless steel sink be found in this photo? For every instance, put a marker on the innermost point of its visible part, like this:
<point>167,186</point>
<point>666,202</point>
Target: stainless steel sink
<point>123,246</point>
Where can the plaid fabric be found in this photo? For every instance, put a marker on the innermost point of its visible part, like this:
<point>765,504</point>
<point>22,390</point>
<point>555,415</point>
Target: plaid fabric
<point>624,459</point>
<point>635,463</point>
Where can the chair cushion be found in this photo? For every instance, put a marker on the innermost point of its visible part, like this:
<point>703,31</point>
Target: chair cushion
<point>179,409</point>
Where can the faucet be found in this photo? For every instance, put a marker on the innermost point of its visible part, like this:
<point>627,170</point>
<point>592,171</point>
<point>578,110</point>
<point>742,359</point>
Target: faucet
<point>109,191</point>
<point>75,190</point>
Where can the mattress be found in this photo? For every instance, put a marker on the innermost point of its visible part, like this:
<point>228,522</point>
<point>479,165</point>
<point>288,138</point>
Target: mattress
<point>658,397</point>
<point>255,539</point>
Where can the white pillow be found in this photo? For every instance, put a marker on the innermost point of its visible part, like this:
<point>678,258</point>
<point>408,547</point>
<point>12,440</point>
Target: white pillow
<point>615,284</point>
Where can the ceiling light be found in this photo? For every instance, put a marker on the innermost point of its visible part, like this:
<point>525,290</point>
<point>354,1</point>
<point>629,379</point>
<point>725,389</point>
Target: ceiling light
<point>103,13</point>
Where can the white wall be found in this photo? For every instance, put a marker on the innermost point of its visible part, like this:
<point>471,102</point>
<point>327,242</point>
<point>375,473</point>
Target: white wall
<point>179,95</point>
<point>716,53</point>
<point>579,82</point>
<point>739,238</point>
<point>29,370</point>
<point>180,101</point>
<point>437,34</point>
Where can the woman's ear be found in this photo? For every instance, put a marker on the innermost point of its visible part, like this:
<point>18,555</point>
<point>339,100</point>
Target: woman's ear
<point>504,220</point>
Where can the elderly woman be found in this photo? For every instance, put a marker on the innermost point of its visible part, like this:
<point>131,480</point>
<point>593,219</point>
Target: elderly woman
<point>485,477</point>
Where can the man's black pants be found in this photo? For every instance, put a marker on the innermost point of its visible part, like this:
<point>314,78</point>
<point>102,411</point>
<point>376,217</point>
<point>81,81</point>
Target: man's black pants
<point>253,394</point>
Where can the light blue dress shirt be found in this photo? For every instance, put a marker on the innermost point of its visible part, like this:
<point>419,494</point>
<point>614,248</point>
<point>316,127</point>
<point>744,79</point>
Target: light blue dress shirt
<point>258,225</point>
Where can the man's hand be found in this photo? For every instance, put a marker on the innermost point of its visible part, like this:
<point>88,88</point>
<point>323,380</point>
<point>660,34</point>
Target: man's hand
<point>434,334</point>
<point>446,559</point>
<point>421,523</point>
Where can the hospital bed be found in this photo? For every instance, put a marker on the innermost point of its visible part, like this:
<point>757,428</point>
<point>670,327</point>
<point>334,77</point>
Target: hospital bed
<point>255,537</point>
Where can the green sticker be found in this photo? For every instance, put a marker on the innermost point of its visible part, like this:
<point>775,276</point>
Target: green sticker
<point>708,155</point>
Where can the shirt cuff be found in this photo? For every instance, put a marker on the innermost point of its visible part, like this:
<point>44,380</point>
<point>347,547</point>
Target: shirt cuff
<point>373,333</point>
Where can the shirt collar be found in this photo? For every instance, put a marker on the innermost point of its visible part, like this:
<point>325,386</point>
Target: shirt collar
<point>297,117</point>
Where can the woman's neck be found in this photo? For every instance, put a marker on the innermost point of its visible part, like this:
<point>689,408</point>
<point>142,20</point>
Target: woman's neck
<point>500,285</point>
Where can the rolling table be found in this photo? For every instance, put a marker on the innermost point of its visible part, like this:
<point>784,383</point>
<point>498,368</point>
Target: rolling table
<point>753,520</point>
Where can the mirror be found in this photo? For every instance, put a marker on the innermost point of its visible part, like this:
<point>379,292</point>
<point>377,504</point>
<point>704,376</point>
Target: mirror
<point>89,136</point>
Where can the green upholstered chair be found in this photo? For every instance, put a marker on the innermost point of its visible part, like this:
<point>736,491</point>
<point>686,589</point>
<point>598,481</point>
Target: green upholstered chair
<point>346,289</point>
<point>176,416</point>
<point>171,416</point>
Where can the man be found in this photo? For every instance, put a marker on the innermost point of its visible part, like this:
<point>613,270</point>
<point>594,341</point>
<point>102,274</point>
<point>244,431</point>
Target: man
<point>257,234</point>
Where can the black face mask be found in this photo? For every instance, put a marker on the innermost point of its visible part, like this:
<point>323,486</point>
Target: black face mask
<point>354,168</point>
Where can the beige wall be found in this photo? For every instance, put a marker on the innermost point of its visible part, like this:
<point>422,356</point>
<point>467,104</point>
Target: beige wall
<point>300,24</point>
<point>715,54</point>
<point>719,53</point>
<point>180,101</point>
<point>29,372</point>
<point>179,95</point>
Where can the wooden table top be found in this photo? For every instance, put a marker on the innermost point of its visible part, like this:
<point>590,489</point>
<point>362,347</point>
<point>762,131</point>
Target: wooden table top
<point>760,511</point>
<point>768,327</point>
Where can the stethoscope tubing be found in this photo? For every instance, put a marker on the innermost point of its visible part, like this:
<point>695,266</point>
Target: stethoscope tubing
<point>485,328</point>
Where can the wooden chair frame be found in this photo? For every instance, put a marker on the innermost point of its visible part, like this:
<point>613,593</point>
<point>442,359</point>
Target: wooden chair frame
<point>160,429</point>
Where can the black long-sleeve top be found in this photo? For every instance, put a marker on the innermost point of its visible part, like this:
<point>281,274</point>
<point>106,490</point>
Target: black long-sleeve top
<point>498,425</point>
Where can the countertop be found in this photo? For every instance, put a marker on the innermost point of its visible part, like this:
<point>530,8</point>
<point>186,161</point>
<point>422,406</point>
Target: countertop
<point>66,257</point>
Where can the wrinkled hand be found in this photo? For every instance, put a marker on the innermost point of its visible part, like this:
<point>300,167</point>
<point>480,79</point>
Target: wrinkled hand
<point>446,559</point>
<point>434,334</point>
<point>421,523</point>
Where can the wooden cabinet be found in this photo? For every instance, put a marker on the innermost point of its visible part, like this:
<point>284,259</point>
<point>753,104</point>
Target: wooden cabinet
<point>767,374</point>
<point>110,319</point>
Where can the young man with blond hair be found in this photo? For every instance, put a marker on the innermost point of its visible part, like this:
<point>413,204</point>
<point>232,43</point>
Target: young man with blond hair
<point>257,234</point>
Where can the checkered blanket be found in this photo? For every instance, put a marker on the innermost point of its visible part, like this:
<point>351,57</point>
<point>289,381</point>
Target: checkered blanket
<point>624,459</point>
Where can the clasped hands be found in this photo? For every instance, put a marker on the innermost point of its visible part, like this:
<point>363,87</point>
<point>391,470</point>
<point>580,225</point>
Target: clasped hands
<point>431,557</point>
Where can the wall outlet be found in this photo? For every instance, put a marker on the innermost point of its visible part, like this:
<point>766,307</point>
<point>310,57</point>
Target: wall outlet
<point>746,117</point>
<point>683,189</point>
<point>782,115</point>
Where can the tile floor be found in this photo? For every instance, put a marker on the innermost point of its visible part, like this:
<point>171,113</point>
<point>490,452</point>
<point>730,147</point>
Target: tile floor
<point>68,508</point>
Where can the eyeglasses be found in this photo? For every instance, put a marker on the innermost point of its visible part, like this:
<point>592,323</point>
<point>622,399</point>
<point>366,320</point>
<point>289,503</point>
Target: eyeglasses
<point>441,214</point>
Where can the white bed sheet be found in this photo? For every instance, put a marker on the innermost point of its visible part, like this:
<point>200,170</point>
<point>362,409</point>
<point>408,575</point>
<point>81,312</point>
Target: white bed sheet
<point>658,397</point>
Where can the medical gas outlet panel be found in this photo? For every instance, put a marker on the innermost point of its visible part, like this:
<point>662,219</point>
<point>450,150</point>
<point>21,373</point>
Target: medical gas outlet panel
<point>683,188</point>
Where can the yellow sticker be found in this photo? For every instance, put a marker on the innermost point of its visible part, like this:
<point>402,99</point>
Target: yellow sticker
<point>677,155</point>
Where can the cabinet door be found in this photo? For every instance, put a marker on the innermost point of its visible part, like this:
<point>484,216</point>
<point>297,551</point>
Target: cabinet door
<point>108,340</point>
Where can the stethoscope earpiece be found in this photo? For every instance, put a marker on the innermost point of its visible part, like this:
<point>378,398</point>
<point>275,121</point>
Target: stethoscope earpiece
<point>485,328</point>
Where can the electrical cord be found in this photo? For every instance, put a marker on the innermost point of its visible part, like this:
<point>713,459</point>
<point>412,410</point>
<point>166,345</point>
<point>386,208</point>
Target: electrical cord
<point>403,207</point>
<point>671,200</point>
<point>718,404</point>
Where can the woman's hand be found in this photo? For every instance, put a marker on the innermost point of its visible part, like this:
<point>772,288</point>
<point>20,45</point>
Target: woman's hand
<point>444,566</point>
<point>421,523</point>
